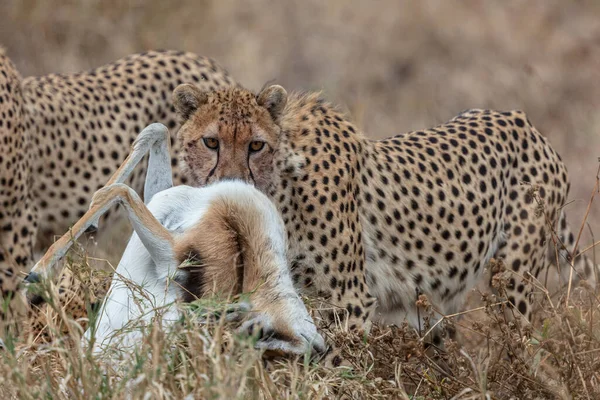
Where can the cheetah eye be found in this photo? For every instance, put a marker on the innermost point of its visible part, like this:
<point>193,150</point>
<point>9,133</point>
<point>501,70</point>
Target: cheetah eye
<point>256,146</point>
<point>211,143</point>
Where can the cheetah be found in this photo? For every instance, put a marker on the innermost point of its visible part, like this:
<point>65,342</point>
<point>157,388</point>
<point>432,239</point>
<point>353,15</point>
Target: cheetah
<point>371,224</point>
<point>63,135</point>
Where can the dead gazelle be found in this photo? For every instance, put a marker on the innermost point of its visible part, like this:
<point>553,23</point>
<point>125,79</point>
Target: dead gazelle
<point>188,242</point>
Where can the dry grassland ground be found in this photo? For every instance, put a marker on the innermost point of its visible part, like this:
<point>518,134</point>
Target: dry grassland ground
<point>396,66</point>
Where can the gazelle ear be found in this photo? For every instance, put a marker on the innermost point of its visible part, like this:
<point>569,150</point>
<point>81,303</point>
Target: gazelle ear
<point>274,99</point>
<point>187,99</point>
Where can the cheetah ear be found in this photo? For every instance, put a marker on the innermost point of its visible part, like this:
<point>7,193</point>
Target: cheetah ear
<point>187,99</point>
<point>274,99</point>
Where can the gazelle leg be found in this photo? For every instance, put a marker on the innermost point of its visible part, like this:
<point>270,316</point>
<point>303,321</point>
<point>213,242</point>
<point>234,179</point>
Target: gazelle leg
<point>155,237</point>
<point>153,139</point>
<point>159,175</point>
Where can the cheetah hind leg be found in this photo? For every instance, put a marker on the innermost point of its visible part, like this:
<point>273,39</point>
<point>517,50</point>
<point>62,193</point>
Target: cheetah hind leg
<point>562,255</point>
<point>524,255</point>
<point>153,139</point>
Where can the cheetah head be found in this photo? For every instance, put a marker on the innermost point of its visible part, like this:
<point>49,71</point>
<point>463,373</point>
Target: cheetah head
<point>229,134</point>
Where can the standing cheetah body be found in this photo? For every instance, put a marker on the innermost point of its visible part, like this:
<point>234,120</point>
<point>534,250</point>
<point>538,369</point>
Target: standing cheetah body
<point>422,212</point>
<point>62,136</point>
<point>84,124</point>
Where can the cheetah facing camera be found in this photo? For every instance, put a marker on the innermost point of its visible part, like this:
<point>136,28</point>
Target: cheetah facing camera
<point>63,135</point>
<point>419,212</point>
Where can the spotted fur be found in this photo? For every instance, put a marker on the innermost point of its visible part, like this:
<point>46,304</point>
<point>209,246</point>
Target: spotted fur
<point>421,212</point>
<point>62,136</point>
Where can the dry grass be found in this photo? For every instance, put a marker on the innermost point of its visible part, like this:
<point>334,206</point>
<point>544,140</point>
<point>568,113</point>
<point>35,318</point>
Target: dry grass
<point>199,358</point>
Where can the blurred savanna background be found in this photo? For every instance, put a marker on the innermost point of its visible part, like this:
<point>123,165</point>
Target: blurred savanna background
<point>396,66</point>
